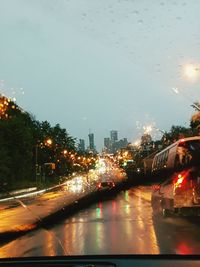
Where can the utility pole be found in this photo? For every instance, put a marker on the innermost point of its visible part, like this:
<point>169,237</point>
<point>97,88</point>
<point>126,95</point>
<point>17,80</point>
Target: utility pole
<point>36,163</point>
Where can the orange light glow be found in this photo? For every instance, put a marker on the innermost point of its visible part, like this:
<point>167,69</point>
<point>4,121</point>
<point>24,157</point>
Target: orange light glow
<point>49,142</point>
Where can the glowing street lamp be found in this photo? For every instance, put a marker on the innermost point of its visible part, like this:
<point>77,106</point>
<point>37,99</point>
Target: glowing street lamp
<point>4,102</point>
<point>191,71</point>
<point>49,142</point>
<point>65,152</point>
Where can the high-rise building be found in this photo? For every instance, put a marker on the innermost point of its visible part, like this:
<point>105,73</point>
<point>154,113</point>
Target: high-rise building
<point>91,141</point>
<point>125,142</point>
<point>81,145</point>
<point>107,144</point>
<point>119,145</point>
<point>112,144</point>
<point>113,136</point>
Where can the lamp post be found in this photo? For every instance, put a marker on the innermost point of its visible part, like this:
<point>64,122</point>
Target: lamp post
<point>47,142</point>
<point>36,162</point>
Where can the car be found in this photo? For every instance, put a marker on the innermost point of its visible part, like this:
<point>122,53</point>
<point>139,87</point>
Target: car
<point>178,195</point>
<point>103,185</point>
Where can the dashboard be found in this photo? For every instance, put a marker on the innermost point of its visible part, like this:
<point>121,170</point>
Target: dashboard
<point>106,261</point>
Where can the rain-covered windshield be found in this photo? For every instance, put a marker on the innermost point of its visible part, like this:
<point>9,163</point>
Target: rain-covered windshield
<point>92,94</point>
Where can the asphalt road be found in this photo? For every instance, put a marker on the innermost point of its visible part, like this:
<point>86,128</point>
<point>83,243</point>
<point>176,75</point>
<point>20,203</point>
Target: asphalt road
<point>23,212</point>
<point>120,225</point>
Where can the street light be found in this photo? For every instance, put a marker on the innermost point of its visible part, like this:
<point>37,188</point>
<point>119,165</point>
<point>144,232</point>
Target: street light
<point>47,142</point>
<point>191,71</point>
<point>65,152</point>
<point>4,102</point>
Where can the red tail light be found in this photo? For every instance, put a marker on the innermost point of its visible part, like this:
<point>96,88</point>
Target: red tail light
<point>99,185</point>
<point>113,184</point>
<point>179,181</point>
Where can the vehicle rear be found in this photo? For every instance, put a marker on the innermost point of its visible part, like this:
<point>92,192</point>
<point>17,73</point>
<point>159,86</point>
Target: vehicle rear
<point>187,182</point>
<point>180,193</point>
<point>103,185</point>
<point>187,191</point>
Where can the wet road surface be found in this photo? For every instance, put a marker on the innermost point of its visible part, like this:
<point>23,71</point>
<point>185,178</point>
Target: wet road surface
<point>122,225</point>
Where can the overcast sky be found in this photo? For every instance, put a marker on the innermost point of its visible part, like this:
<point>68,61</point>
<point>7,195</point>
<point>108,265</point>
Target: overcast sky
<point>102,64</point>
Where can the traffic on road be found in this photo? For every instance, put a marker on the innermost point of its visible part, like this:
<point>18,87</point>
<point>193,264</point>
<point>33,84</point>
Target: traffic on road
<point>179,167</point>
<point>99,132</point>
<point>98,229</point>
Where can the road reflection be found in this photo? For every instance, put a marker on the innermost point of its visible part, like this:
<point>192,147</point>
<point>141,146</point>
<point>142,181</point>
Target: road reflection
<point>123,225</point>
<point>177,235</point>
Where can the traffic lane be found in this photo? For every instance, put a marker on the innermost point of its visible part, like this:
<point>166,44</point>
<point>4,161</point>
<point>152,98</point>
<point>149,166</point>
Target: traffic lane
<point>114,226</point>
<point>123,225</point>
<point>87,183</point>
<point>180,235</point>
<point>26,217</point>
<point>177,235</point>
<point>48,194</point>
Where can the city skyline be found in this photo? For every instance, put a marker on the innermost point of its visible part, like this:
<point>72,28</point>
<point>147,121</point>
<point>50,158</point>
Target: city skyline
<point>118,64</point>
<point>112,140</point>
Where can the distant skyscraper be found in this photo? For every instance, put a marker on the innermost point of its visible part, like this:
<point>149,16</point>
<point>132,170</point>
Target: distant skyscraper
<point>125,142</point>
<point>119,145</point>
<point>81,145</point>
<point>107,143</point>
<point>113,136</point>
<point>91,141</point>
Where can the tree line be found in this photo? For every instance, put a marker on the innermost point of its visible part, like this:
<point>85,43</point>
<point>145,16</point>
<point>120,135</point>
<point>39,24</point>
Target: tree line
<point>28,145</point>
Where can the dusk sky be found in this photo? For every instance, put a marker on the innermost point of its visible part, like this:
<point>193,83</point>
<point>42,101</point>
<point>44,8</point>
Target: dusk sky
<point>102,64</point>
